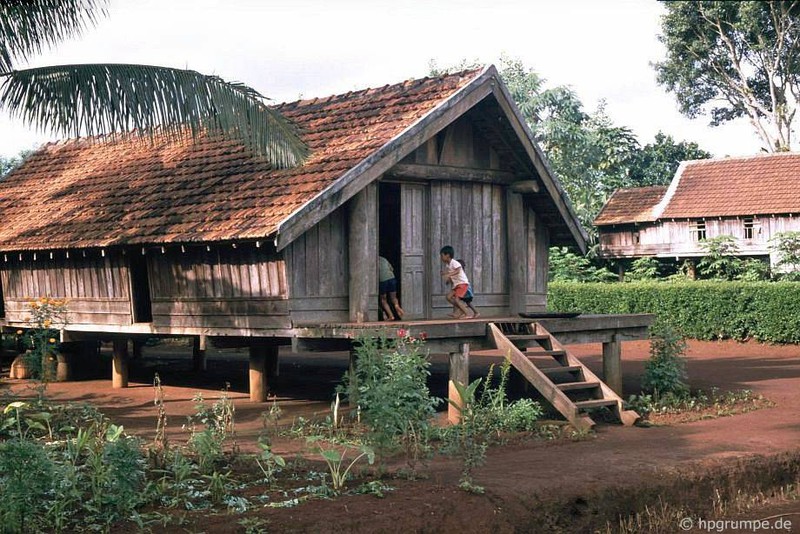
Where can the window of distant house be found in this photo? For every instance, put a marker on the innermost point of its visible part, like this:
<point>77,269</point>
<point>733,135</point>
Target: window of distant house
<point>698,230</point>
<point>750,230</point>
<point>635,237</point>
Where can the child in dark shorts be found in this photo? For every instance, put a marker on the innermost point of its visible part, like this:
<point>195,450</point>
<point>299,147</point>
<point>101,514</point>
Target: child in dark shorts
<point>469,296</point>
<point>387,288</point>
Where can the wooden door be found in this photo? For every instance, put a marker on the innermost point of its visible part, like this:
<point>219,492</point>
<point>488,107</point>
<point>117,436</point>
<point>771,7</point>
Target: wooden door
<point>414,289</point>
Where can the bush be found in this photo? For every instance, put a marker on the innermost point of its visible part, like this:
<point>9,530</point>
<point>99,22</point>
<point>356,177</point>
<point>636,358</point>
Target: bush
<point>765,311</point>
<point>390,389</point>
<point>665,371</point>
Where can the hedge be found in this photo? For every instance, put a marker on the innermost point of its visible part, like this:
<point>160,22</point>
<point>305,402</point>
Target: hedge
<point>765,311</point>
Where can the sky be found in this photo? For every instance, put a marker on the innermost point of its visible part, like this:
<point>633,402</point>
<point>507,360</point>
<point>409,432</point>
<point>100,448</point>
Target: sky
<point>305,48</point>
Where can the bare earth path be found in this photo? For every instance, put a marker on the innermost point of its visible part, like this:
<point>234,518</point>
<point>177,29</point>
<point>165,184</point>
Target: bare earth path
<point>514,474</point>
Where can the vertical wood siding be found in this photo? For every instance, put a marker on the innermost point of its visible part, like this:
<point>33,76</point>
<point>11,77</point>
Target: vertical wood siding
<point>237,288</point>
<point>96,288</point>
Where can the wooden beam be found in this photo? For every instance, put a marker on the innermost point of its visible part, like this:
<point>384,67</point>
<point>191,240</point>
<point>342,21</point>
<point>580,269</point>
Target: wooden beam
<point>612,365</point>
<point>119,366</point>
<point>459,374</point>
<point>372,167</point>
<point>420,171</point>
<point>517,253</point>
<point>525,187</point>
<point>363,252</point>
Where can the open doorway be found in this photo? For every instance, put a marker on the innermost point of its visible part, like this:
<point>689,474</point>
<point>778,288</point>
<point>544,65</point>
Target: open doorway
<point>140,289</point>
<point>389,228</point>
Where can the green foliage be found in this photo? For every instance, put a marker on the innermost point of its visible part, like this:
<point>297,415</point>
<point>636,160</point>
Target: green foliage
<point>210,428</point>
<point>714,403</point>
<point>389,385</point>
<point>339,465</point>
<point>657,162</point>
<point>787,247</point>
<point>644,268</point>
<point>735,59</point>
<point>9,164</point>
<point>92,99</point>
<point>486,414</point>
<point>566,266</point>
<point>665,371</point>
<point>765,311</point>
<point>27,474</point>
<point>720,261</point>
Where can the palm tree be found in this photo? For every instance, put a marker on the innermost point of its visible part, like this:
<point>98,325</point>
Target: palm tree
<point>93,99</point>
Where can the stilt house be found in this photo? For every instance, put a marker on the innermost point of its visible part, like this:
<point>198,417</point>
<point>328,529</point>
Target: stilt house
<point>204,239</point>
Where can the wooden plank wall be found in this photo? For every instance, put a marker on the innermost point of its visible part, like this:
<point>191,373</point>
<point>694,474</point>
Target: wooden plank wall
<point>538,244</point>
<point>96,287</point>
<point>243,288</point>
<point>317,267</point>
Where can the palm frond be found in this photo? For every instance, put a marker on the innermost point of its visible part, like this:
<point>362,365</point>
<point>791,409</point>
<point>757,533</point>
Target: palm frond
<point>28,26</point>
<point>78,100</point>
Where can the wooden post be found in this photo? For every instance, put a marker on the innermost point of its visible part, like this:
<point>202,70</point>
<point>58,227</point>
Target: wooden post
<point>612,364</point>
<point>262,357</point>
<point>459,373</point>
<point>63,373</point>
<point>517,253</point>
<point>199,354</point>
<point>119,372</point>
<point>363,252</point>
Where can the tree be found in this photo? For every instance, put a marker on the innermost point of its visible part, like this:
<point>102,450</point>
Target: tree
<point>92,99</point>
<point>735,59</point>
<point>786,245</point>
<point>656,162</point>
<point>720,261</point>
<point>9,164</point>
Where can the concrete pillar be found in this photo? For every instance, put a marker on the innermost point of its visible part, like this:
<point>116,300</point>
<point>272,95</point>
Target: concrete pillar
<point>199,353</point>
<point>612,364</point>
<point>459,373</point>
<point>119,371</point>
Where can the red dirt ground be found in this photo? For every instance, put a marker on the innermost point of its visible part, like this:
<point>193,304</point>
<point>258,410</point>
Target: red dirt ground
<point>515,475</point>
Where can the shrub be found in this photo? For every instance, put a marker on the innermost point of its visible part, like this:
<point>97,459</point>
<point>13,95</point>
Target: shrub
<point>390,388</point>
<point>26,476</point>
<point>721,261</point>
<point>665,371</point>
<point>645,268</point>
<point>566,266</point>
<point>765,311</point>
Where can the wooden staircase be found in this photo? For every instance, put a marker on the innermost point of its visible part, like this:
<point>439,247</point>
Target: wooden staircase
<point>556,374</point>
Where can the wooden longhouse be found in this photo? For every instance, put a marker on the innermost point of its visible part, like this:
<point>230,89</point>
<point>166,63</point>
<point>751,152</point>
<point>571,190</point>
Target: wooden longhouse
<point>749,198</point>
<point>203,240</point>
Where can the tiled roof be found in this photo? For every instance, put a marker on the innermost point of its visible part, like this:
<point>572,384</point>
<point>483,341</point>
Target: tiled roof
<point>79,194</point>
<point>630,205</point>
<point>757,185</point>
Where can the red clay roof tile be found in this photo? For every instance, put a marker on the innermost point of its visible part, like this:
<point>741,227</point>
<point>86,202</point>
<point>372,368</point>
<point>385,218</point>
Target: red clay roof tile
<point>78,193</point>
<point>630,205</point>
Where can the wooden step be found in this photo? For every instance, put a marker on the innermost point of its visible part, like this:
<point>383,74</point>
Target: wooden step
<point>560,369</point>
<point>527,337</point>
<point>574,386</point>
<point>595,403</point>
<point>539,352</point>
<point>497,353</point>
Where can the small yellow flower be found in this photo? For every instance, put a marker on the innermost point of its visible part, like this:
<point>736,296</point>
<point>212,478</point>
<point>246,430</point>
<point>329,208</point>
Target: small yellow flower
<point>47,323</point>
<point>52,340</point>
<point>19,332</point>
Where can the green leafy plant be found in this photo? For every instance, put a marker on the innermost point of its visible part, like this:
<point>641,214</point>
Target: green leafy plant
<point>786,245</point>
<point>337,462</point>
<point>46,317</point>
<point>389,384</point>
<point>27,474</point>
<point>644,268</point>
<point>566,266</point>
<point>210,428</point>
<point>665,371</point>
<point>720,261</point>
<point>269,462</point>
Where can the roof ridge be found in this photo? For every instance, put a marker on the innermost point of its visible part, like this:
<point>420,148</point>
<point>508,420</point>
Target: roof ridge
<point>404,83</point>
<point>763,155</point>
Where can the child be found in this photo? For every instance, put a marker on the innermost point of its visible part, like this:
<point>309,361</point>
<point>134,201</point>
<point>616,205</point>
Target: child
<point>454,273</point>
<point>469,296</point>
<point>388,290</point>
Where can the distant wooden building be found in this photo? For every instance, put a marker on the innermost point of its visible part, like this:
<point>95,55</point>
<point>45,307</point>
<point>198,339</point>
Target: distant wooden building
<point>751,199</point>
<point>201,239</point>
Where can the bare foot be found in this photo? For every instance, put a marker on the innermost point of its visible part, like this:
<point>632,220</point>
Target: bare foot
<point>388,318</point>
<point>456,315</point>
<point>475,315</point>
<point>400,312</point>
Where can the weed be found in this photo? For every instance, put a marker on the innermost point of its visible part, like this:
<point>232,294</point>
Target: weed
<point>254,525</point>
<point>338,467</point>
<point>665,371</point>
